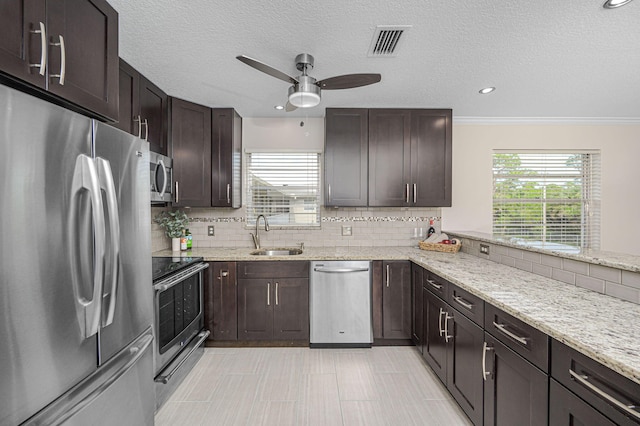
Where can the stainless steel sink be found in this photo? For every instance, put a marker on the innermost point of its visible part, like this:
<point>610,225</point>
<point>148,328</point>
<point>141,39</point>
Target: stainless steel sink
<point>277,252</point>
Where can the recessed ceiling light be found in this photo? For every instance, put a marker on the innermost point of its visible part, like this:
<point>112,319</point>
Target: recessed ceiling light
<point>612,4</point>
<point>279,107</point>
<point>486,90</point>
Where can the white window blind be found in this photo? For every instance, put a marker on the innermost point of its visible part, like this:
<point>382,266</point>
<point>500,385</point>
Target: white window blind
<point>285,187</point>
<point>548,199</point>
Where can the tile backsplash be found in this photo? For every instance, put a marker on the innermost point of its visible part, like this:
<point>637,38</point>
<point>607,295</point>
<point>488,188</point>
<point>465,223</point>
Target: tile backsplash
<point>369,227</point>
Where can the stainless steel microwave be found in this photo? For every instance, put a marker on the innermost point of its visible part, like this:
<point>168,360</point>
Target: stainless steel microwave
<point>161,169</point>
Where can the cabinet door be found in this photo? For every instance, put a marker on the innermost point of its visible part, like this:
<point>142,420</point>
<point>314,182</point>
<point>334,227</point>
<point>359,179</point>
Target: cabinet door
<point>434,347</point>
<point>226,152</point>
<point>389,157</point>
<point>255,309</point>
<point>515,392</point>
<point>346,153</point>
<point>89,30</point>
<point>566,409</point>
<point>191,152</point>
<point>431,158</point>
<point>416,305</point>
<point>20,46</point>
<point>128,106</point>
<point>154,114</point>
<point>464,362</point>
<point>396,300</point>
<point>224,318</point>
<point>291,309</point>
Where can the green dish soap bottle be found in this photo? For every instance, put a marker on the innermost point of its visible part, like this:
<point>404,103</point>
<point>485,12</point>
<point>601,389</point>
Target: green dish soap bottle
<point>187,233</point>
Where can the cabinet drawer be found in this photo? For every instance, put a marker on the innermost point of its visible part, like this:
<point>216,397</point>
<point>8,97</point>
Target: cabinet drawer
<point>567,409</point>
<point>470,305</point>
<point>522,338</point>
<point>607,391</point>
<point>435,284</point>
<point>273,269</point>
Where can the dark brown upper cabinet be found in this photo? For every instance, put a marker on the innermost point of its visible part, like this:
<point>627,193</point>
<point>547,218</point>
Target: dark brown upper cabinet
<point>143,108</point>
<point>392,158</point>
<point>346,154</point>
<point>191,152</point>
<point>65,48</point>
<point>226,149</point>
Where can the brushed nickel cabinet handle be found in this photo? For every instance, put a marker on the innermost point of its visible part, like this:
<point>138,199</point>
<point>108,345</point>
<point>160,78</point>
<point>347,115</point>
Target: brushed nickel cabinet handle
<point>440,330</point>
<point>329,196</point>
<point>502,328</point>
<point>63,62</point>
<point>268,294</point>
<point>463,302</point>
<point>277,284</point>
<point>583,379</point>
<point>415,193</point>
<point>485,348</point>
<point>447,336</point>
<point>177,193</point>
<point>435,285</point>
<point>228,193</point>
<point>407,193</point>
<point>387,275</point>
<point>146,130</point>
<point>43,46</point>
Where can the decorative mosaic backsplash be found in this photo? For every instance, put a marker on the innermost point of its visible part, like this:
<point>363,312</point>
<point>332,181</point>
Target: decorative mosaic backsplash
<point>369,227</point>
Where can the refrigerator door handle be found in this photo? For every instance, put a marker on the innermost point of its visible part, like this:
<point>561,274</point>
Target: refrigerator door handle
<point>85,179</point>
<point>112,252</point>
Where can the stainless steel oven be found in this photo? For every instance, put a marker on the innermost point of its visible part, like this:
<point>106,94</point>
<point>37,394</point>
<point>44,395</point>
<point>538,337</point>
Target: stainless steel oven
<point>179,320</point>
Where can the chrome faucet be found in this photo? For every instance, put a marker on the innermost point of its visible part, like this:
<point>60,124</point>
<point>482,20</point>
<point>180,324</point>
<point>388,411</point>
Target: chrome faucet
<point>256,236</point>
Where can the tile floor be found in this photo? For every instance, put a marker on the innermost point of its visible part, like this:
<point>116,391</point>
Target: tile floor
<point>302,386</point>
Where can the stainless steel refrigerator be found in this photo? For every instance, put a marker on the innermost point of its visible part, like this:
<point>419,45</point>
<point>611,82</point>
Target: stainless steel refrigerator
<point>76,301</point>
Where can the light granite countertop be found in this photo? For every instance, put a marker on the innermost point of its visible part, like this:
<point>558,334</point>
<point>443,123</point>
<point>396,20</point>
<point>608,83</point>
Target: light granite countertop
<point>628,262</point>
<point>600,326</point>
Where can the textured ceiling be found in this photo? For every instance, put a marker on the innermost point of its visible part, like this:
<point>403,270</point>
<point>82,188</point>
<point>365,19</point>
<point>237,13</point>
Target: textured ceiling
<point>547,58</point>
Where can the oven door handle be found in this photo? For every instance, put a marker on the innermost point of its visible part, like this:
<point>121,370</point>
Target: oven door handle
<point>179,277</point>
<point>165,378</point>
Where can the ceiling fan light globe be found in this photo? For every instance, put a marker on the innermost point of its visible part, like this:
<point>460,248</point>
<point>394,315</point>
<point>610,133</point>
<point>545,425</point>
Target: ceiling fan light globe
<point>304,99</point>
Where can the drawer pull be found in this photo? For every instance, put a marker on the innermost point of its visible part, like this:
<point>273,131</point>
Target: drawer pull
<point>502,328</point>
<point>463,302</point>
<point>435,285</point>
<point>485,349</point>
<point>583,379</point>
<point>440,322</point>
<point>447,336</point>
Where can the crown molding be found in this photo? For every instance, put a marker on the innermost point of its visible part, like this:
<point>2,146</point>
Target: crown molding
<point>611,121</point>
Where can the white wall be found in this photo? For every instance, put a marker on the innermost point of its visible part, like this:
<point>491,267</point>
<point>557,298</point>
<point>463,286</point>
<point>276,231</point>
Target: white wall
<point>473,146</point>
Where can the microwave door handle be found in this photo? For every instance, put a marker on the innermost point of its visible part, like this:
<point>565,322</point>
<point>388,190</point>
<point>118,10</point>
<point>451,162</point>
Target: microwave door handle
<point>107,185</point>
<point>164,176</point>
<point>85,179</point>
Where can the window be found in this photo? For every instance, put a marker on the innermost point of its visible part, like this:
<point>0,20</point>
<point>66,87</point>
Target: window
<point>547,199</point>
<point>283,186</point>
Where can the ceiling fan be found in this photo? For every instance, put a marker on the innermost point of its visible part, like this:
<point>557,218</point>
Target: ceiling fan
<point>305,90</point>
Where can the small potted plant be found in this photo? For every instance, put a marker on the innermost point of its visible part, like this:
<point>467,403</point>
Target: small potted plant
<point>174,224</point>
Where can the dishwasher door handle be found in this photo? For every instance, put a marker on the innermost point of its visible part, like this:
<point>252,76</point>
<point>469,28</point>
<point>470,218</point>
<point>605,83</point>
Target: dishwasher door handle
<point>340,270</point>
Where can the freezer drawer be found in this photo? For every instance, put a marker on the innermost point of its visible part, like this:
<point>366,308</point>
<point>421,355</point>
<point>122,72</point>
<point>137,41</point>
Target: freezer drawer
<point>340,304</point>
<point>117,394</point>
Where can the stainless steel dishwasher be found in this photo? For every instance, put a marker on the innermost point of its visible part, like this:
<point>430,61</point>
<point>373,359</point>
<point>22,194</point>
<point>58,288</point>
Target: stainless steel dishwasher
<point>340,304</point>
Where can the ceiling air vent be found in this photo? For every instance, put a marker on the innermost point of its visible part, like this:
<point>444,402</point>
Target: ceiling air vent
<point>386,40</point>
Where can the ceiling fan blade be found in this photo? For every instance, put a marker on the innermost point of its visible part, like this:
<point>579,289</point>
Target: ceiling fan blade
<point>266,69</point>
<point>290,107</point>
<point>348,81</point>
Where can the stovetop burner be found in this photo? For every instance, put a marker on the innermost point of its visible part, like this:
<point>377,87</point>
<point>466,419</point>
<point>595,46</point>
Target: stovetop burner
<point>163,266</point>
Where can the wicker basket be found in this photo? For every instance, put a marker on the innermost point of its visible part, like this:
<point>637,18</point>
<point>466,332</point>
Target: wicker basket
<point>446,248</point>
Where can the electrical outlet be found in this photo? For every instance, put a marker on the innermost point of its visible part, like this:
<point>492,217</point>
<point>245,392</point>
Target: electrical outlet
<point>210,231</point>
<point>484,249</point>
<point>347,231</point>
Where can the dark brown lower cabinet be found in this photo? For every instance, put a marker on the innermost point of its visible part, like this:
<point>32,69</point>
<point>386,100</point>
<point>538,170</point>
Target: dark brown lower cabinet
<point>222,301</point>
<point>452,346</point>
<point>416,305</point>
<point>396,300</point>
<point>566,409</point>
<point>515,391</point>
<point>272,305</point>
